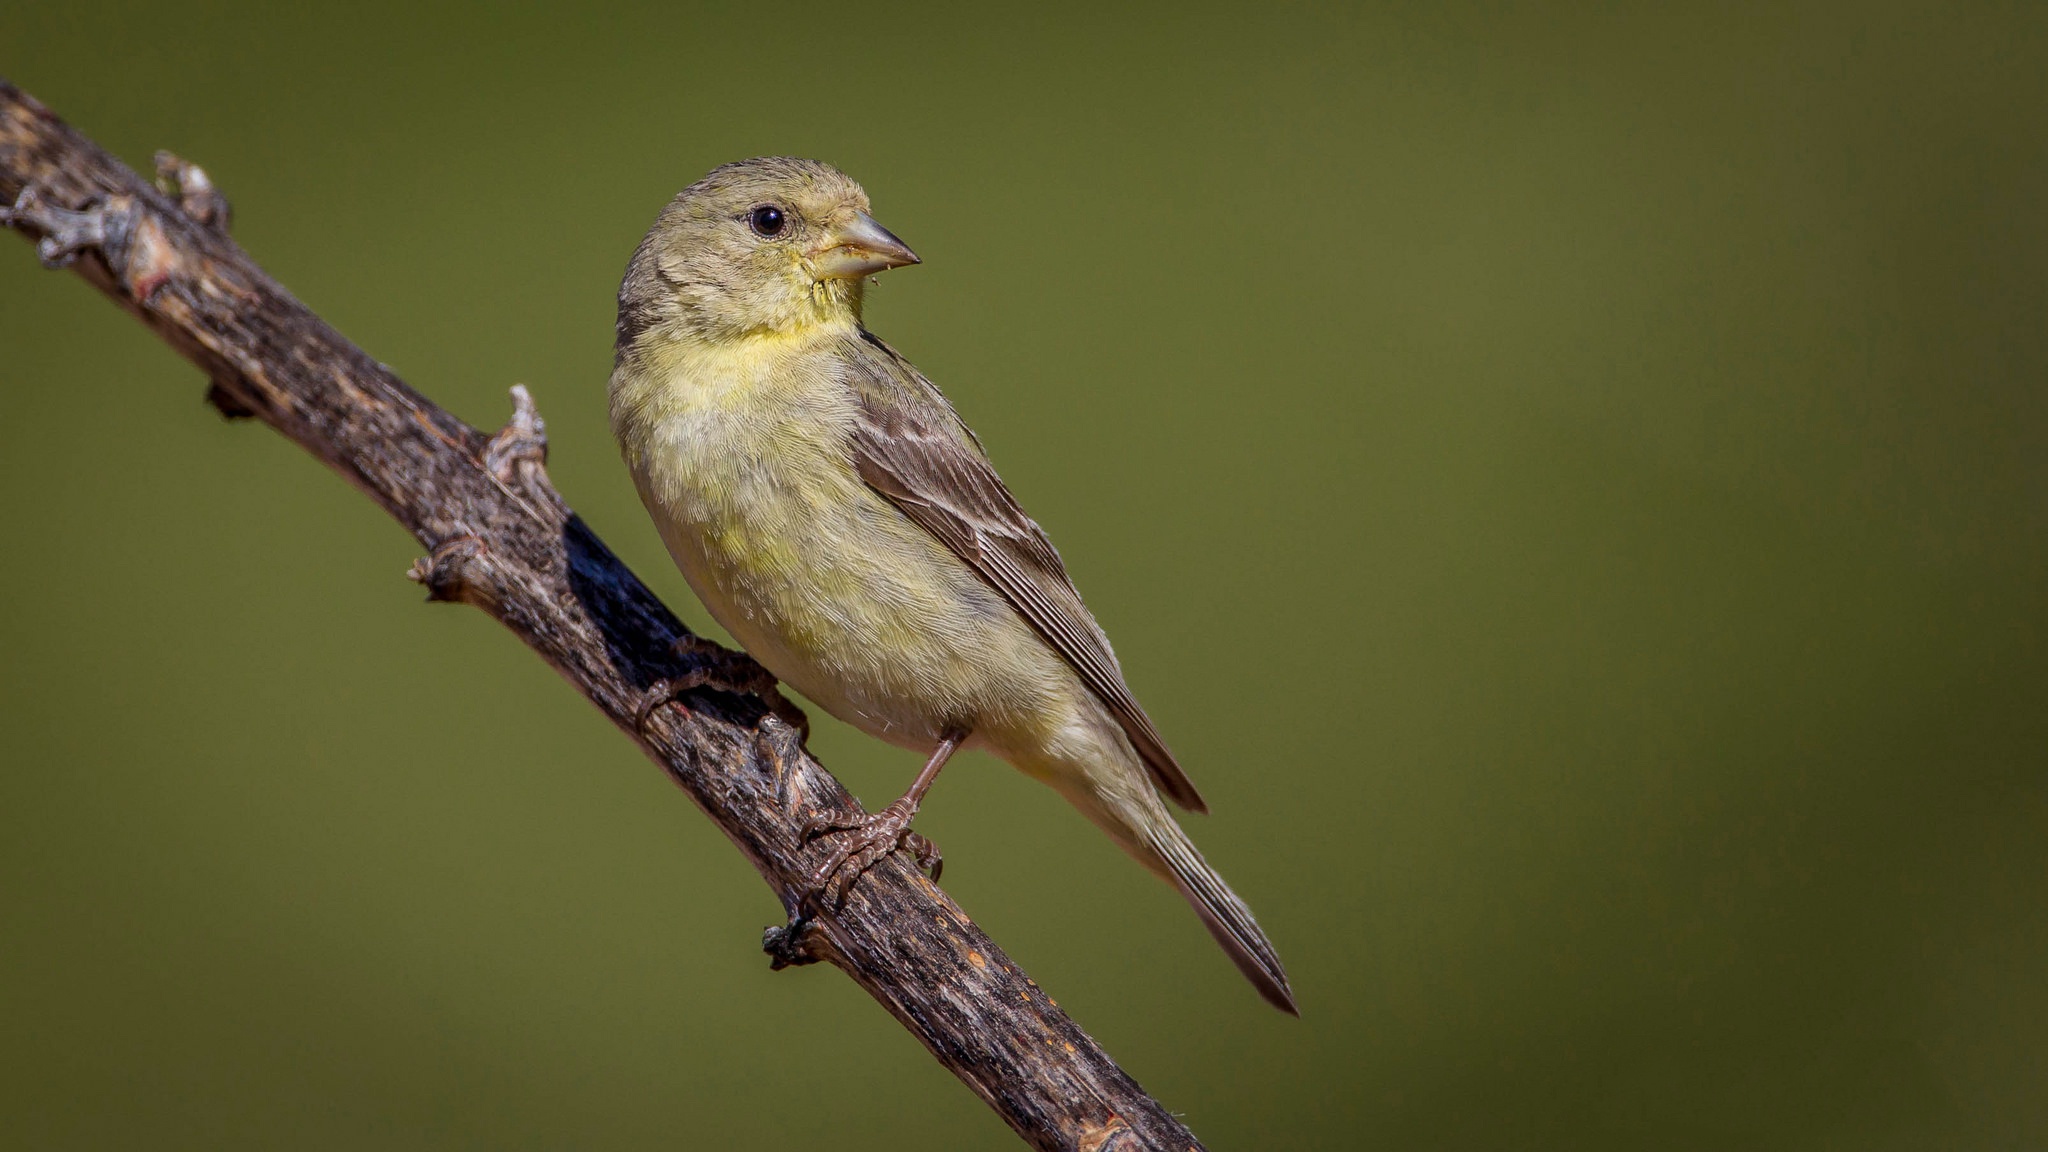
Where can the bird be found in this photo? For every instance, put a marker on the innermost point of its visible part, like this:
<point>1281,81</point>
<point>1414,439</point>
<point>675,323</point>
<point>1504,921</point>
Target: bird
<point>838,518</point>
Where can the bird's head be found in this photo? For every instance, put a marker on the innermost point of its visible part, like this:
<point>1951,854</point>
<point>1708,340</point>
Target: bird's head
<point>759,247</point>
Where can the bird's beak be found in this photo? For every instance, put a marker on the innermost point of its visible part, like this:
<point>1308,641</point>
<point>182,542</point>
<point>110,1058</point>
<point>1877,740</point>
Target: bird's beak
<point>860,247</point>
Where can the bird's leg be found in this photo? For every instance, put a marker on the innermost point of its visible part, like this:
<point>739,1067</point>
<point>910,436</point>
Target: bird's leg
<point>869,838</point>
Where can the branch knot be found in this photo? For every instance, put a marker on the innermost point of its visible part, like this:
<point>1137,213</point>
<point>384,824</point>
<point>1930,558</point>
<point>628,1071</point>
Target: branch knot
<point>194,190</point>
<point>65,233</point>
<point>518,454</point>
<point>445,571</point>
<point>789,945</point>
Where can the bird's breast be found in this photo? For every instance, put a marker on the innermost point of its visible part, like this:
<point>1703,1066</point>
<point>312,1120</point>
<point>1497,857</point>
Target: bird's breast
<point>741,456</point>
<point>746,470</point>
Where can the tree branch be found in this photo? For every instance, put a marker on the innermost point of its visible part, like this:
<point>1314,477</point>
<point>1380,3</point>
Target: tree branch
<point>500,538</point>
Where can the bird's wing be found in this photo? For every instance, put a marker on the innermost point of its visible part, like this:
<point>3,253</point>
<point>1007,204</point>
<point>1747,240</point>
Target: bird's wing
<point>910,447</point>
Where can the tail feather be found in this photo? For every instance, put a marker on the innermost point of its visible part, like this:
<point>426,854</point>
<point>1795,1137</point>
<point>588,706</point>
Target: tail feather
<point>1120,800</point>
<point>1226,916</point>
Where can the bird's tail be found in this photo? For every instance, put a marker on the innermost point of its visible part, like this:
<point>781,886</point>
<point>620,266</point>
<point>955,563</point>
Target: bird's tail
<point>1229,921</point>
<point>1125,806</point>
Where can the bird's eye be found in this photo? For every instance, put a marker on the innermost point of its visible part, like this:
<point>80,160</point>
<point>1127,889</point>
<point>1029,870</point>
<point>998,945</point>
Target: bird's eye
<point>767,220</point>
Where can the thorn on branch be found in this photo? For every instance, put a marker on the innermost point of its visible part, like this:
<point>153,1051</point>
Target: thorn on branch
<point>789,946</point>
<point>445,571</point>
<point>195,192</point>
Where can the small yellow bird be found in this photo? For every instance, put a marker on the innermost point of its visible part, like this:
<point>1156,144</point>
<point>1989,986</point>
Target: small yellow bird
<point>839,519</point>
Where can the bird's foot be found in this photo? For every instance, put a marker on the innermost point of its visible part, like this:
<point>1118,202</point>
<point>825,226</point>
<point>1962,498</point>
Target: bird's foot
<point>717,668</point>
<point>867,840</point>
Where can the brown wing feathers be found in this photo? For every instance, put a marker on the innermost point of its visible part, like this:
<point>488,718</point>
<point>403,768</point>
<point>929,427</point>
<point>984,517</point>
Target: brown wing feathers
<point>915,452</point>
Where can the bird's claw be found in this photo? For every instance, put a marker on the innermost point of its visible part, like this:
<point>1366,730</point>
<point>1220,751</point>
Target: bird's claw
<point>659,694</point>
<point>926,853</point>
<point>717,668</point>
<point>868,840</point>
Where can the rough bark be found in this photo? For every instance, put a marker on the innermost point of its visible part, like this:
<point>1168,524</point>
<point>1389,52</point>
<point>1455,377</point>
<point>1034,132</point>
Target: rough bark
<point>500,538</point>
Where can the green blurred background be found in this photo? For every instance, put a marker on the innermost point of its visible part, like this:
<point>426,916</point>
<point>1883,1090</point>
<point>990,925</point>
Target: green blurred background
<point>1572,485</point>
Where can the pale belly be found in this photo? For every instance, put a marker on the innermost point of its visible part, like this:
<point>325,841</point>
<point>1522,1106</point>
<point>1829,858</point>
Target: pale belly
<point>841,596</point>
